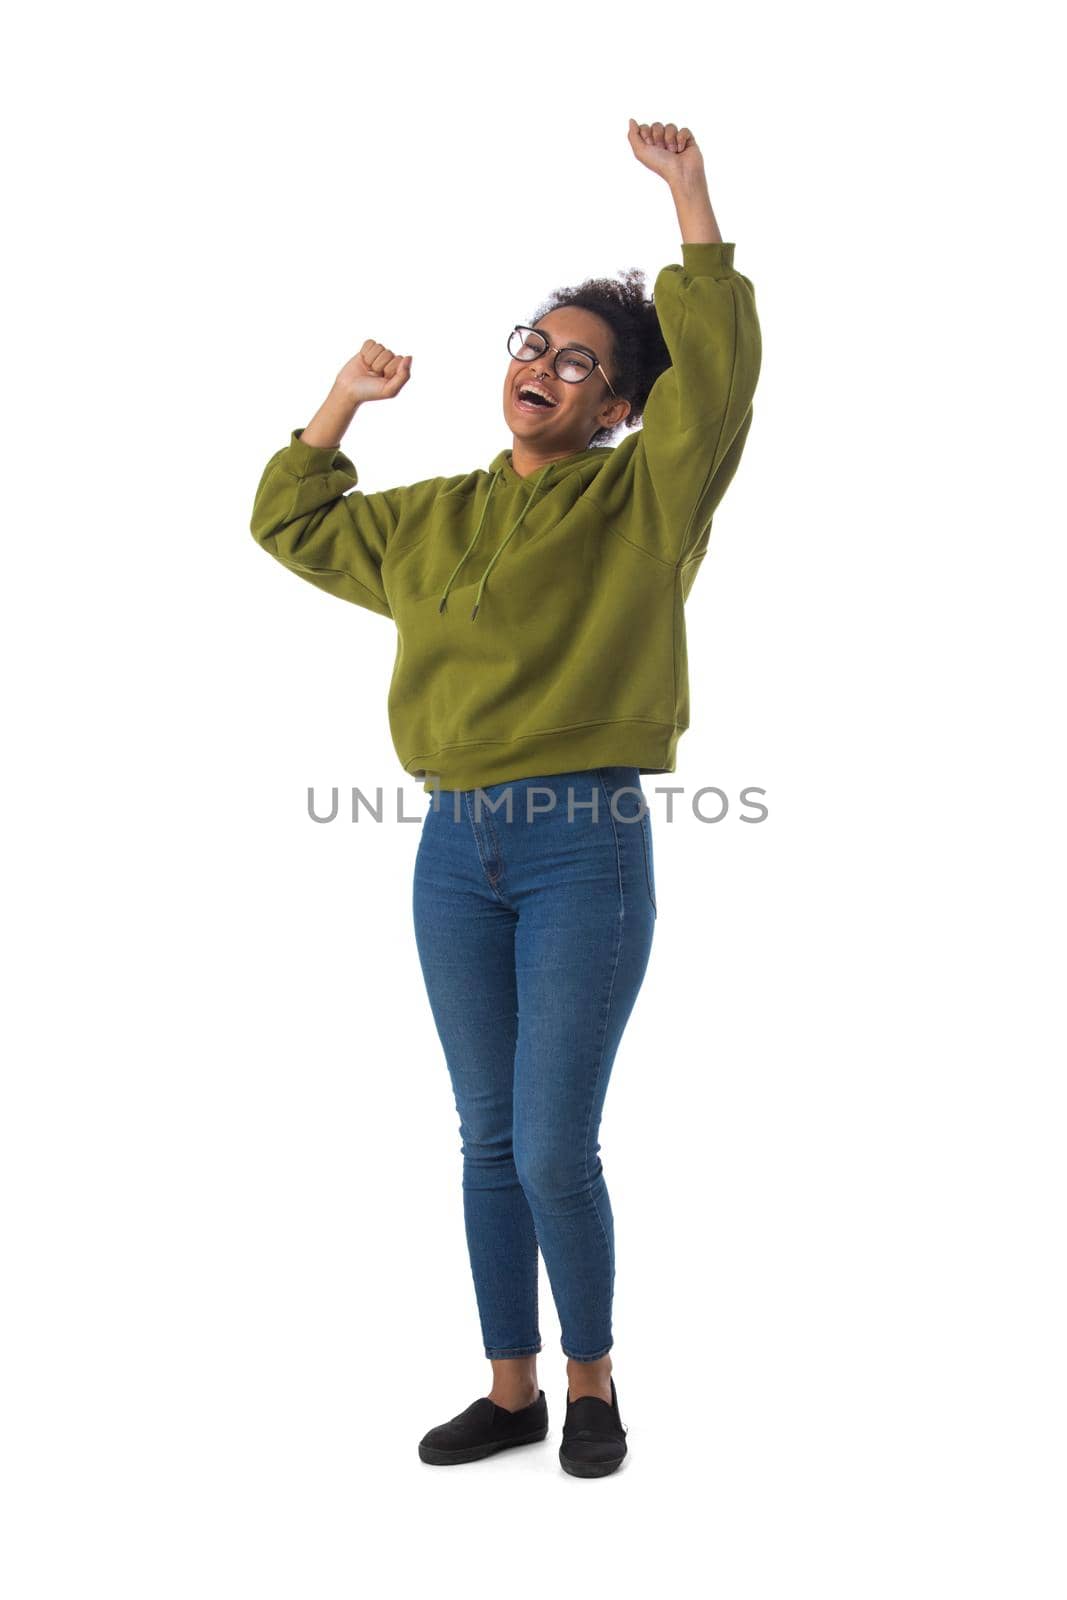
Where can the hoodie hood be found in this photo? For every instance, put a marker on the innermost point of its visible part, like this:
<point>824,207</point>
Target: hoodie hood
<point>501,463</point>
<point>504,476</point>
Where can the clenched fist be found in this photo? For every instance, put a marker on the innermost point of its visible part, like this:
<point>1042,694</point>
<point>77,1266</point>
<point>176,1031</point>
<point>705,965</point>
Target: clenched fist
<point>666,149</point>
<point>374,374</point>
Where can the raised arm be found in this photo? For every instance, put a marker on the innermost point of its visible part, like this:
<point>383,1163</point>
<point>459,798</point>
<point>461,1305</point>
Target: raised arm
<point>304,513</point>
<point>669,475</point>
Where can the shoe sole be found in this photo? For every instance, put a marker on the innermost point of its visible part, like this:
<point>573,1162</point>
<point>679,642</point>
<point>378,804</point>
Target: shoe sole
<point>475,1452</point>
<point>590,1469</point>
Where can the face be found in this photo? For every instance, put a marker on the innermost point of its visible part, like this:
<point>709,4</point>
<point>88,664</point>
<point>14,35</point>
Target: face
<point>580,408</point>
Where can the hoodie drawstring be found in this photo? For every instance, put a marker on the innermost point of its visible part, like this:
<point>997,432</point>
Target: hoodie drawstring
<point>514,529</point>
<point>473,542</point>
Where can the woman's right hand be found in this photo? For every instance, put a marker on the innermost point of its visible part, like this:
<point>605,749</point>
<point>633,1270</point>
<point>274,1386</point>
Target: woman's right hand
<point>374,374</point>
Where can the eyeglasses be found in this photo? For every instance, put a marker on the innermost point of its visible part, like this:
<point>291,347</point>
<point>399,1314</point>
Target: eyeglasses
<point>570,364</point>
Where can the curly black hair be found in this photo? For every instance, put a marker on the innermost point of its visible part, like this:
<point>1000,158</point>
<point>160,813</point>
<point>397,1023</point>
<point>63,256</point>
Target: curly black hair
<point>638,354</point>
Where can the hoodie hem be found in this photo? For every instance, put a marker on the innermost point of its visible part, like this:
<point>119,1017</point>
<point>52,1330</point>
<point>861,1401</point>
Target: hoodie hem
<point>477,763</point>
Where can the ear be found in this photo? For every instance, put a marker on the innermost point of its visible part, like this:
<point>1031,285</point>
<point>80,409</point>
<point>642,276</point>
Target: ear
<point>614,413</point>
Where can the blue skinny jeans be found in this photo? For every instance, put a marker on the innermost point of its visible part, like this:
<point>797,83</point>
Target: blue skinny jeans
<point>534,930</point>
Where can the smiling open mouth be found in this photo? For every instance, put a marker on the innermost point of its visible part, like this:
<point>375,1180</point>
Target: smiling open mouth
<point>529,399</point>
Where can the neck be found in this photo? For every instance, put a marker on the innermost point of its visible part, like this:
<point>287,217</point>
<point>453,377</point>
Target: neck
<point>527,458</point>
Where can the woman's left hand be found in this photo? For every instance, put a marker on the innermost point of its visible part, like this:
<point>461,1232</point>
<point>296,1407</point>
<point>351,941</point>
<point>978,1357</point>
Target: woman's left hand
<point>668,150</point>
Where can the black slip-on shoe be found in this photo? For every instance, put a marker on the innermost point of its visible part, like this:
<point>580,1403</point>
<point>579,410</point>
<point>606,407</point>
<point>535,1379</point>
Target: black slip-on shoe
<point>483,1429</point>
<point>594,1439</point>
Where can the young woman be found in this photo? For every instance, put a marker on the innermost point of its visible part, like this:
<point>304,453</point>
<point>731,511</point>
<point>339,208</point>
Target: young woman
<point>540,670</point>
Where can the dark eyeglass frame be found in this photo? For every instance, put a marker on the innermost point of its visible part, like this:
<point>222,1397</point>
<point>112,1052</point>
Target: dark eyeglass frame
<point>521,328</point>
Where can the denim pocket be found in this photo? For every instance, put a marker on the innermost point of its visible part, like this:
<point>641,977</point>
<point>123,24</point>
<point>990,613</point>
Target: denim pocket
<point>650,872</point>
<point>633,806</point>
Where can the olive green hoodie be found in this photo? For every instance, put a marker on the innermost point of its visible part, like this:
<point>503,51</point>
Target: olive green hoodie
<point>540,620</point>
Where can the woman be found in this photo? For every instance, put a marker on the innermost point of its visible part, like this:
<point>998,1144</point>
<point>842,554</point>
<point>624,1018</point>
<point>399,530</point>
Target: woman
<point>540,670</point>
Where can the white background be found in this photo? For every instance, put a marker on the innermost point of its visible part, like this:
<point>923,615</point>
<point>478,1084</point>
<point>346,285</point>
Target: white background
<point>236,1285</point>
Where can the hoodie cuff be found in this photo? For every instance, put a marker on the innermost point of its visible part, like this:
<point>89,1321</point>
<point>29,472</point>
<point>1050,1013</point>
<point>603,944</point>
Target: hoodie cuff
<point>708,260</point>
<point>304,459</point>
